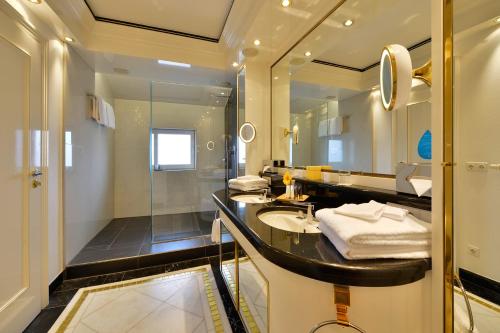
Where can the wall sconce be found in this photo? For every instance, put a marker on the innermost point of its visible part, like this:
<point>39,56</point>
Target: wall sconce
<point>294,132</point>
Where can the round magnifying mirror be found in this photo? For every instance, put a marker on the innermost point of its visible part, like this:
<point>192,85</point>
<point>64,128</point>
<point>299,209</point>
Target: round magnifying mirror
<point>395,76</point>
<point>247,132</point>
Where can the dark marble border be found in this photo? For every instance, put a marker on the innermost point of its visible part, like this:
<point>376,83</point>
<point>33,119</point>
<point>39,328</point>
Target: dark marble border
<point>187,249</point>
<point>480,285</point>
<point>56,283</point>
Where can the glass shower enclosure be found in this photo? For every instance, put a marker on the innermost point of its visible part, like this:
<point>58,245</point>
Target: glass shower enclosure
<point>188,145</point>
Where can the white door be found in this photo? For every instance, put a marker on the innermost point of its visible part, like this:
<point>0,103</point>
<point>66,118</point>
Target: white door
<point>20,154</point>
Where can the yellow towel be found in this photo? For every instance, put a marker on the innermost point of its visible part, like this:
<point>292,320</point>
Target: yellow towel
<point>313,172</point>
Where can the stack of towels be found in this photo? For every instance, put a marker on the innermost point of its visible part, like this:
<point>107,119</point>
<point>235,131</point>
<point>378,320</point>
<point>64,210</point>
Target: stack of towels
<point>374,230</point>
<point>102,112</point>
<point>248,183</point>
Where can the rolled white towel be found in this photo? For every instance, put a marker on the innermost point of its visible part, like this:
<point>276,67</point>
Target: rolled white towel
<point>356,232</point>
<point>395,213</point>
<point>371,211</point>
<point>216,231</point>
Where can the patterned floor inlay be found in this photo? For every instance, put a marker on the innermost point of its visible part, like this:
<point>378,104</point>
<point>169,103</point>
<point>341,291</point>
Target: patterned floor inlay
<point>183,301</point>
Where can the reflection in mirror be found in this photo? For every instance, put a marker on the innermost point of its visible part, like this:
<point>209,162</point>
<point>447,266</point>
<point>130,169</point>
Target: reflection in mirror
<point>240,86</point>
<point>247,132</point>
<point>254,293</point>
<point>333,95</point>
<point>228,264</point>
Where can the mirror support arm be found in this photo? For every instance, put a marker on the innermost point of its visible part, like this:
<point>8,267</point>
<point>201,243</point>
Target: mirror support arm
<point>424,73</point>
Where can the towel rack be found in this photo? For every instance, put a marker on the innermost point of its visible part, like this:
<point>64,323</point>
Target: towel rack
<point>342,302</point>
<point>336,322</point>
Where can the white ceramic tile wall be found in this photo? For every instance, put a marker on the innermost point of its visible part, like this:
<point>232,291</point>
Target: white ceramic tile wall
<point>88,182</point>
<point>477,140</point>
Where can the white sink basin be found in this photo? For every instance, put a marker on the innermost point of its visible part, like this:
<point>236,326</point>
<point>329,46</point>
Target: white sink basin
<point>288,220</point>
<point>251,198</point>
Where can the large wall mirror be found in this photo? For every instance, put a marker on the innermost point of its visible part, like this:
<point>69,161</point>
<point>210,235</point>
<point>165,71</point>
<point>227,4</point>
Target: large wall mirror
<point>326,103</point>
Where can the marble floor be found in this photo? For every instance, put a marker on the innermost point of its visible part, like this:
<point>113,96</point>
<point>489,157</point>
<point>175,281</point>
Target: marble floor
<point>134,236</point>
<point>486,314</point>
<point>181,301</point>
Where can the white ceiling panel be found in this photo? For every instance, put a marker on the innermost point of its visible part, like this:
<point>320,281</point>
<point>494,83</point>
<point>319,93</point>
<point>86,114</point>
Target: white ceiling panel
<point>200,18</point>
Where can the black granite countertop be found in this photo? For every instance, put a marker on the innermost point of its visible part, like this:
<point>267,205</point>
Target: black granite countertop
<point>313,255</point>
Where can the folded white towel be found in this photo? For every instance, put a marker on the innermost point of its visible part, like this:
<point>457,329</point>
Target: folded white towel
<point>335,126</point>
<point>248,177</point>
<point>371,211</point>
<point>216,231</point>
<point>395,213</point>
<point>247,188</point>
<point>374,252</point>
<point>421,185</point>
<point>385,231</point>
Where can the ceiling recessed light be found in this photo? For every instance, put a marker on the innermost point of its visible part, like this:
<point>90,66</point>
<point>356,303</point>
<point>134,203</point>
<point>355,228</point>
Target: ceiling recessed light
<point>348,23</point>
<point>497,20</point>
<point>235,64</point>
<point>276,77</point>
<point>69,39</point>
<point>307,54</point>
<point>36,1</point>
<point>285,3</point>
<point>256,42</point>
<point>222,93</point>
<point>173,63</point>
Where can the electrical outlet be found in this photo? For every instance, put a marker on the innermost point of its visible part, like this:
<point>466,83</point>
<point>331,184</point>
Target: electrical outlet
<point>474,250</point>
<point>476,166</point>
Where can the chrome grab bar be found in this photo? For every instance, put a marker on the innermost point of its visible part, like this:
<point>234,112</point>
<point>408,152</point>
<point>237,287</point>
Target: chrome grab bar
<point>336,322</point>
<point>467,303</point>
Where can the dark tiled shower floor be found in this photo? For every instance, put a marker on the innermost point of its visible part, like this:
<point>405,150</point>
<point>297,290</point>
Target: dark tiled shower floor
<point>131,236</point>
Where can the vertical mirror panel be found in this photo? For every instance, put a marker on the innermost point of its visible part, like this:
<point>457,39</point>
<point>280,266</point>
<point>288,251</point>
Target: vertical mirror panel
<point>188,157</point>
<point>228,264</point>
<point>477,165</point>
<point>254,295</point>
<point>241,120</point>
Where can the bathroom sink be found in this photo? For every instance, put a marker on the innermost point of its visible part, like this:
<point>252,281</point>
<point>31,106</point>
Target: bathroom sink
<point>287,219</point>
<point>251,198</point>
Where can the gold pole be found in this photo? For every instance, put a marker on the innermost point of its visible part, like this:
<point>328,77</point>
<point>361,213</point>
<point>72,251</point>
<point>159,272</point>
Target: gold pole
<point>448,163</point>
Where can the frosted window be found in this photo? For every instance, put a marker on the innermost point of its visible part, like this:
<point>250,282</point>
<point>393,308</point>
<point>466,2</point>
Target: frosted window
<point>174,149</point>
<point>335,151</point>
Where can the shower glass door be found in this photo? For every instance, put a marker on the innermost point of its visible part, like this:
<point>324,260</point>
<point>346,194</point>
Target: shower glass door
<point>188,158</point>
<point>476,153</point>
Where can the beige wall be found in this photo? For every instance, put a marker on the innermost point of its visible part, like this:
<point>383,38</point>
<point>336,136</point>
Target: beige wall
<point>175,191</point>
<point>88,183</point>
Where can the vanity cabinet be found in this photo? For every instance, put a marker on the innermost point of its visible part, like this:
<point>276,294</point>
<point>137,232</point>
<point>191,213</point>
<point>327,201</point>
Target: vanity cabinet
<point>247,286</point>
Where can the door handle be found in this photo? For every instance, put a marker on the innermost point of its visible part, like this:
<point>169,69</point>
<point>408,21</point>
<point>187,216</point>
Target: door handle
<point>36,173</point>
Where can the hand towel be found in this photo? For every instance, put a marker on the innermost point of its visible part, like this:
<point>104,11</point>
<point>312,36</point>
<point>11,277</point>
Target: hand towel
<point>385,231</point>
<point>101,107</point>
<point>335,125</point>
<point>395,213</point>
<point>371,211</point>
<point>421,185</point>
<point>110,115</point>
<point>216,231</point>
<point>323,128</point>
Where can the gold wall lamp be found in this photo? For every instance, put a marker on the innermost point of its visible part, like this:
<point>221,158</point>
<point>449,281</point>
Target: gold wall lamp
<point>396,73</point>
<point>294,132</point>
